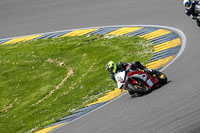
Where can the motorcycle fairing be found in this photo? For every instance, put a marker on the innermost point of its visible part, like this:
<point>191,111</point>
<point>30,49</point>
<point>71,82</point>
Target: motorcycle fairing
<point>150,81</point>
<point>120,78</point>
<point>197,9</point>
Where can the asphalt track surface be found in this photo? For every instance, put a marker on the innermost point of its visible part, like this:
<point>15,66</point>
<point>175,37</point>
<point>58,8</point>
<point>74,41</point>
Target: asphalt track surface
<point>174,108</point>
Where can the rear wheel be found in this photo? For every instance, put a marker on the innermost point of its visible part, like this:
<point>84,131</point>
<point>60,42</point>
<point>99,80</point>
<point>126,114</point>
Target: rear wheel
<point>162,78</point>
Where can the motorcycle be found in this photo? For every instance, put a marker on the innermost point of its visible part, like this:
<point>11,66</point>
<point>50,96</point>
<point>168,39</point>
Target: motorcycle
<point>139,82</point>
<point>197,11</point>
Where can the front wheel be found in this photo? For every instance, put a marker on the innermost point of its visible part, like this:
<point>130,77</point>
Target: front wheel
<point>198,21</point>
<point>139,88</point>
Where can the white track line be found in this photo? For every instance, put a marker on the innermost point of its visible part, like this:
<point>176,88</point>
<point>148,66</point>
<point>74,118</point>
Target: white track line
<point>179,32</point>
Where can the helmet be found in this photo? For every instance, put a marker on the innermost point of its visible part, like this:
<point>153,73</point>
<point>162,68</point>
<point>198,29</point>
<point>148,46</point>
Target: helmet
<point>111,66</point>
<point>187,4</point>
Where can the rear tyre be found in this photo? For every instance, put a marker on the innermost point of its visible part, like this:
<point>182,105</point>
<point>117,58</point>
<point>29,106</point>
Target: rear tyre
<point>162,78</point>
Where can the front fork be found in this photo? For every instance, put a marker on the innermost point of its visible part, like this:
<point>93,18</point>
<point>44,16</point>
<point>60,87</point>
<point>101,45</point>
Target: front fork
<point>127,85</point>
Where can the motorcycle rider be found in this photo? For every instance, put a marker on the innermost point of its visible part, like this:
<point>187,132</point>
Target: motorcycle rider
<point>113,68</point>
<point>190,8</point>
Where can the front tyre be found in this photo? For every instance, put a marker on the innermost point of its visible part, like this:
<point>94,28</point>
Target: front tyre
<point>198,21</point>
<point>131,92</point>
<point>139,88</point>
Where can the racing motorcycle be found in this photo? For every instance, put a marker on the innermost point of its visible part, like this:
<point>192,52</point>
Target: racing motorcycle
<point>139,82</point>
<point>197,11</point>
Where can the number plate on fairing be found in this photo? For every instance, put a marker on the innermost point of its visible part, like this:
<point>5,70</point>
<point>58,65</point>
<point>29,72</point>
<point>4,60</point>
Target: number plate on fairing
<point>149,82</point>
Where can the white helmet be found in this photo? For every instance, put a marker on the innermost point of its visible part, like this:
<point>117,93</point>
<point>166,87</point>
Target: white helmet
<point>187,4</point>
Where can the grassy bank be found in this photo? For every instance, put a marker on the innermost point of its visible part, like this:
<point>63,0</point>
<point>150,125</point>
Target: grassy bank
<point>42,81</point>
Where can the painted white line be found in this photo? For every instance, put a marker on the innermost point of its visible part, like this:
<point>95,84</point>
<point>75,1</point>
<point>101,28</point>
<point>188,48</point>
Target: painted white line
<point>183,45</point>
<point>89,112</point>
<point>179,32</point>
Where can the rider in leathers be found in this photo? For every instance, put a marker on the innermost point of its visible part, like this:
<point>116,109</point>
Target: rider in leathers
<point>190,8</point>
<point>113,68</point>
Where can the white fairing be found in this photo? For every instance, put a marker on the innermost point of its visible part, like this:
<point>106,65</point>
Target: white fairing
<point>197,9</point>
<point>120,77</point>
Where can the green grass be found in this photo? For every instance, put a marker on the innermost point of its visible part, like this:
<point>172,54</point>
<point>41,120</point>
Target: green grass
<point>42,81</point>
